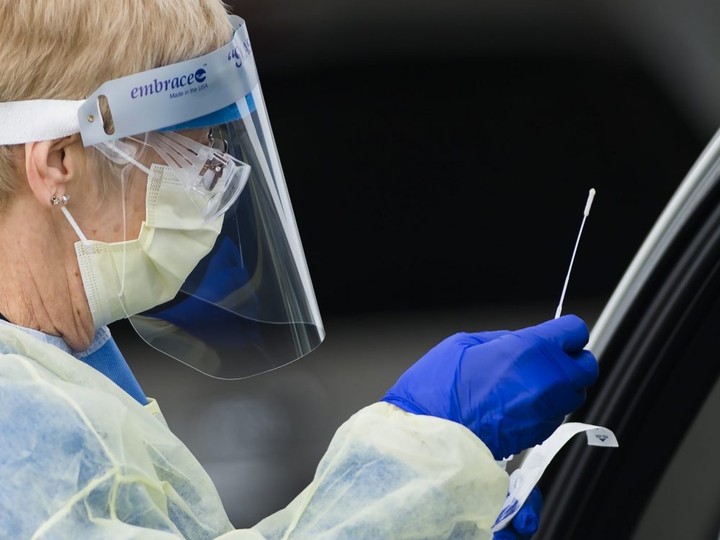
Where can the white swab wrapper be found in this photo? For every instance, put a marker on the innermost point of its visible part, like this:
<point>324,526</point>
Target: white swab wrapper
<point>586,213</point>
<point>525,478</point>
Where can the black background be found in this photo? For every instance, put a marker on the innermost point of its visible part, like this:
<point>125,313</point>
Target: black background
<point>411,194</point>
<point>454,173</point>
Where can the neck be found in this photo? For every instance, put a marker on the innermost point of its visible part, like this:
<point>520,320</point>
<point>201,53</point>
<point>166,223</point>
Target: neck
<point>41,286</point>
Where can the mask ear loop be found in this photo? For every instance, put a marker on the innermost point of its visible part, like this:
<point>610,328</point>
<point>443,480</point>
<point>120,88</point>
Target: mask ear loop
<point>62,201</point>
<point>123,180</point>
<point>73,224</point>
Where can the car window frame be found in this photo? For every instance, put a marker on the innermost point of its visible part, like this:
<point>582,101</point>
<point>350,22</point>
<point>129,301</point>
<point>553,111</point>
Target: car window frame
<point>651,340</point>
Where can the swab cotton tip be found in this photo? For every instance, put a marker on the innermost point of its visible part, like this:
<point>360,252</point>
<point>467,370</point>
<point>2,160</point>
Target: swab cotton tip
<point>588,204</point>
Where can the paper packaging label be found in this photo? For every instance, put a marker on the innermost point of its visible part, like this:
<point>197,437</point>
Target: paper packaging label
<point>524,479</point>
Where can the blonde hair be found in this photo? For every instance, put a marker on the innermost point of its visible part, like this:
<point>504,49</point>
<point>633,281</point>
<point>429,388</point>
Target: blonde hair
<point>64,49</point>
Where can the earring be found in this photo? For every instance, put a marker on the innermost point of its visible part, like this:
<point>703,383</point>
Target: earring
<point>57,201</point>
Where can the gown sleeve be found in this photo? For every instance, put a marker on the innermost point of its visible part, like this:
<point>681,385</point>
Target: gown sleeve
<point>392,474</point>
<point>81,459</point>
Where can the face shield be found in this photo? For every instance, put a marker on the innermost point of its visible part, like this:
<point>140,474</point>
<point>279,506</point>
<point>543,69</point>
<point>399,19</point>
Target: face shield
<point>222,284</point>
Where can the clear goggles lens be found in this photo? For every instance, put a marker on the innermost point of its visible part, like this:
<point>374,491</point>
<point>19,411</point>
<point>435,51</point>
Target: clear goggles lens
<point>210,173</point>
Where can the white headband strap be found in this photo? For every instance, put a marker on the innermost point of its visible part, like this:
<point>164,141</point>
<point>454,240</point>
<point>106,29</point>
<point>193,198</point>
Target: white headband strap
<point>38,120</point>
<point>147,101</point>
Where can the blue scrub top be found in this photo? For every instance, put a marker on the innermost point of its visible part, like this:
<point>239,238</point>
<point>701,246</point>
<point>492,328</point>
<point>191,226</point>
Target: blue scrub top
<point>102,354</point>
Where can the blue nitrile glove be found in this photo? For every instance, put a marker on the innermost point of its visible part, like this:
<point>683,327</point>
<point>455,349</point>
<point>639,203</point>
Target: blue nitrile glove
<point>526,521</point>
<point>512,389</point>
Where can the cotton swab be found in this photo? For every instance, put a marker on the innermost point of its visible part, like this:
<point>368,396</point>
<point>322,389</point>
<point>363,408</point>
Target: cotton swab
<point>586,212</point>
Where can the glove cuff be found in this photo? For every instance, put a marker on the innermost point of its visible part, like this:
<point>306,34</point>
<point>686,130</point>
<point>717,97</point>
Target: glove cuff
<point>404,404</point>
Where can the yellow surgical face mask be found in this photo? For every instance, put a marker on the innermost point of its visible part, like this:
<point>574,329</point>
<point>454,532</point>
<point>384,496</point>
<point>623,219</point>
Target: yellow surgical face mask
<point>126,278</point>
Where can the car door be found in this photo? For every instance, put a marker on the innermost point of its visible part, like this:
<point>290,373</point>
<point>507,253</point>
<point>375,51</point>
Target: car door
<point>658,344</point>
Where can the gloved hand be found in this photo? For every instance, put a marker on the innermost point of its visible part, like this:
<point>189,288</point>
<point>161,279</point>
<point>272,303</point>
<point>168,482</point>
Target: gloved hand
<point>526,521</point>
<point>512,389</point>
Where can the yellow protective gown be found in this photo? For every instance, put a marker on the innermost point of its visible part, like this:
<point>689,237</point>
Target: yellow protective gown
<point>79,458</point>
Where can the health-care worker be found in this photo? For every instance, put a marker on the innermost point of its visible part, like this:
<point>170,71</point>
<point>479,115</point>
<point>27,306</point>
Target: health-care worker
<point>139,179</point>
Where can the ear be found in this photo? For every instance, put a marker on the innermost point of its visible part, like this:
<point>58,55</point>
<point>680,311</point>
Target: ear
<point>51,165</point>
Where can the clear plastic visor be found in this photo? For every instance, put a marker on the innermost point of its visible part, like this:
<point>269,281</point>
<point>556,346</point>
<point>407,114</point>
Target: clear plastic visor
<point>186,227</point>
<point>248,304</point>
